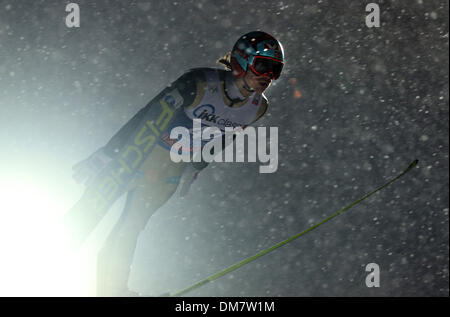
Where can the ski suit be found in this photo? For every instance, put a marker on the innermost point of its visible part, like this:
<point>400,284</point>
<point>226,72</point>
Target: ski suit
<point>141,164</point>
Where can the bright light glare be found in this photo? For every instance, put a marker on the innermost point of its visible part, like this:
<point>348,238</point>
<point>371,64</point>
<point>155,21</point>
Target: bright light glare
<point>35,259</point>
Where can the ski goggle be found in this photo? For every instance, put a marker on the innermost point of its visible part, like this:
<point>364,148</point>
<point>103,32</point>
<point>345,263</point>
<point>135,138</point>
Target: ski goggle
<point>267,66</point>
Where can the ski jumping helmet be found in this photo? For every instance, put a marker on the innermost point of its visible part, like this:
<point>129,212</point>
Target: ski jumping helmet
<point>260,52</point>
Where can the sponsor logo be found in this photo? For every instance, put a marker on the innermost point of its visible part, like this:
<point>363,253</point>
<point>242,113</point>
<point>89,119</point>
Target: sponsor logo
<point>111,182</point>
<point>207,113</point>
<point>204,107</point>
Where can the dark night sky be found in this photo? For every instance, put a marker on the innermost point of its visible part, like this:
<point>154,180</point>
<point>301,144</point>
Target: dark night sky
<point>372,101</point>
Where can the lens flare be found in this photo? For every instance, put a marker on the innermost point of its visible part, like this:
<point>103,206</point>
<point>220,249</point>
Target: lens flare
<point>35,257</point>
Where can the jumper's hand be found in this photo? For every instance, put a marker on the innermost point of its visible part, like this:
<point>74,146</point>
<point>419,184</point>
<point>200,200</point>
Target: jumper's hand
<point>85,171</point>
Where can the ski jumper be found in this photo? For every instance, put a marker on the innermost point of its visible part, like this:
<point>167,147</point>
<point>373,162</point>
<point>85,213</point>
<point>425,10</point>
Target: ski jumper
<point>142,166</point>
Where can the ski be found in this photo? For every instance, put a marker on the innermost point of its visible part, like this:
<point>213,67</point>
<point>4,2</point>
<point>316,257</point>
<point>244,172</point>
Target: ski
<point>282,243</point>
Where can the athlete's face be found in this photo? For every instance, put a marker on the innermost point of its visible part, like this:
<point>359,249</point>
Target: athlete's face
<point>258,83</point>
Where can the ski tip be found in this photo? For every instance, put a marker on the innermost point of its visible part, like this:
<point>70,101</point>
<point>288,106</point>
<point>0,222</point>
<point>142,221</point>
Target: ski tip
<point>413,164</point>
